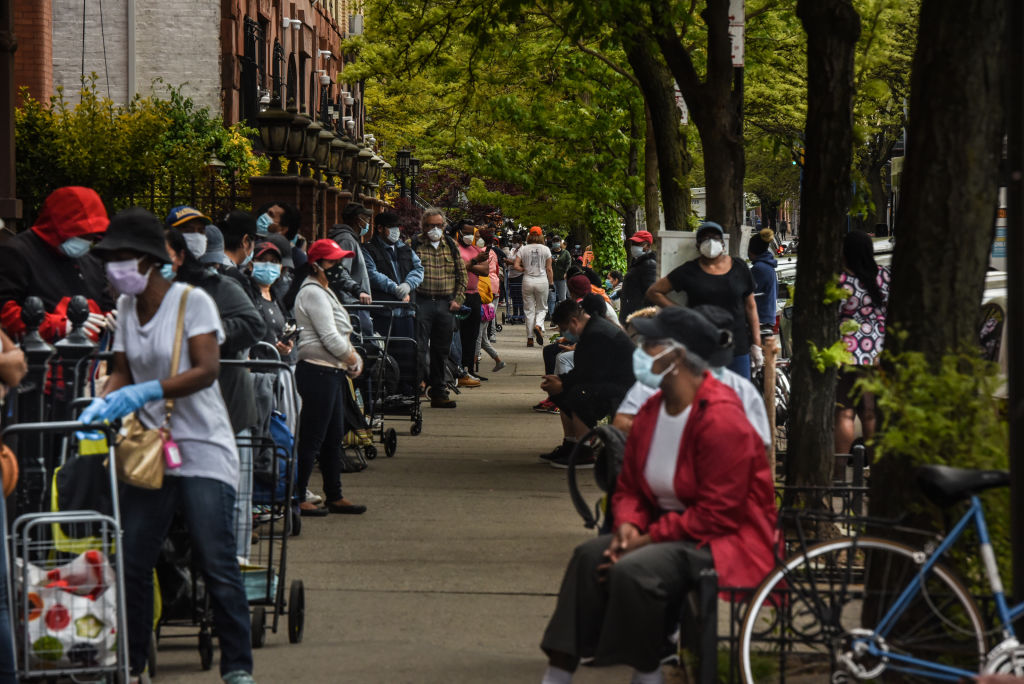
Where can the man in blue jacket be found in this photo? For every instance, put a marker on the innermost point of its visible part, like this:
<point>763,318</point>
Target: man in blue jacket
<point>762,268</point>
<point>394,271</point>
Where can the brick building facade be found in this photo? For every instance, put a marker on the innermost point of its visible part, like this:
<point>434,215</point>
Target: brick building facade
<point>227,55</point>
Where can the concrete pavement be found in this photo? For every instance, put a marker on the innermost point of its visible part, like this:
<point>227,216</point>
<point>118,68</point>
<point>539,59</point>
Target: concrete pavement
<point>452,573</point>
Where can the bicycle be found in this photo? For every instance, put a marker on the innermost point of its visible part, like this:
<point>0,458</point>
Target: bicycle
<point>870,609</point>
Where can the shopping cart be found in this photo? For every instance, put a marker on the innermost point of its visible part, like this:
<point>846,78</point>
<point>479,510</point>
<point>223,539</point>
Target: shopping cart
<point>69,611</point>
<point>391,389</point>
<point>275,514</point>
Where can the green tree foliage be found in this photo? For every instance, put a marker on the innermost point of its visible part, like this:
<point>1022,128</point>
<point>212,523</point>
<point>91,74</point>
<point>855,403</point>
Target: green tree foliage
<point>124,152</point>
<point>532,125</point>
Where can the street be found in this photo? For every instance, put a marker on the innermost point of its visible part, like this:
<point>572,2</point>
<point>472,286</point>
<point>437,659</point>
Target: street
<point>452,573</point>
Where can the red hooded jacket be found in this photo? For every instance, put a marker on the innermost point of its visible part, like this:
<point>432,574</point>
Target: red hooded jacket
<point>722,478</point>
<point>32,263</point>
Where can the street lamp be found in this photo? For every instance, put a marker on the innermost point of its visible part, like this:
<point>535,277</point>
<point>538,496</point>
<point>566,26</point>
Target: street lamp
<point>347,162</point>
<point>402,167</point>
<point>323,148</point>
<point>362,164</point>
<point>309,145</point>
<point>273,124</point>
<point>214,166</point>
<point>414,170</point>
<point>296,135</point>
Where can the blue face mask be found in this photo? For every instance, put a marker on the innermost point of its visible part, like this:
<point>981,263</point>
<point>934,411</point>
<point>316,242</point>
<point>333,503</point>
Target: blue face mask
<point>263,224</point>
<point>364,230</point>
<point>644,362</point>
<point>570,337</point>
<point>75,247</point>
<point>266,272</point>
<point>248,258</point>
<point>167,271</point>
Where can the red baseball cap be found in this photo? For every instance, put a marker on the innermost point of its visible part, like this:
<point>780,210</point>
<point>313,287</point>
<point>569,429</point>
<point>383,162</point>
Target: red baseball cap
<point>327,249</point>
<point>536,230</point>
<point>642,236</point>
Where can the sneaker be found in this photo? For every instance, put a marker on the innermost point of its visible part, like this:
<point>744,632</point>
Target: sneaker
<point>442,402</point>
<point>468,381</point>
<point>477,376</point>
<point>558,452</point>
<point>584,459</point>
<point>239,677</point>
<point>498,365</point>
<point>542,407</point>
<point>316,498</point>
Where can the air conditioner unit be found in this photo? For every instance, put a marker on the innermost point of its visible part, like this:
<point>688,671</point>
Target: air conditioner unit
<point>355,25</point>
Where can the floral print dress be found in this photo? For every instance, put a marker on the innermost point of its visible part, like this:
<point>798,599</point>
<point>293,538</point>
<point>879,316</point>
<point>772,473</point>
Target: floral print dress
<point>865,344</point>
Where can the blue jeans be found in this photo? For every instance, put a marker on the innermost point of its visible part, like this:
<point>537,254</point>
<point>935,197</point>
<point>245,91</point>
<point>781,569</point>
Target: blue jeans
<point>208,508</point>
<point>552,301</point>
<point>741,365</point>
<point>561,292</point>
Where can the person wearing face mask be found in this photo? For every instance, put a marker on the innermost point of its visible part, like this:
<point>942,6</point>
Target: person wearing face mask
<point>515,280</point>
<point>52,261</point>
<point>239,230</point>
<point>475,260</point>
<point>749,395</point>
<point>641,274</point>
<point>326,356</point>
<point>284,219</point>
<point>718,279</point>
<point>694,493</point>
<point>395,271</point>
<point>243,327</point>
<point>203,488</point>
<point>351,282</point>
<point>438,297</point>
<point>601,375</point>
<point>266,270</point>
<point>561,260</point>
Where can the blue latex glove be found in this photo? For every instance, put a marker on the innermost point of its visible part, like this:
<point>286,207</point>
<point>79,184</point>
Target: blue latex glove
<point>120,403</point>
<point>93,411</point>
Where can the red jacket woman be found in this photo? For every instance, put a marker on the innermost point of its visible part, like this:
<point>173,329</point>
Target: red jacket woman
<point>722,478</point>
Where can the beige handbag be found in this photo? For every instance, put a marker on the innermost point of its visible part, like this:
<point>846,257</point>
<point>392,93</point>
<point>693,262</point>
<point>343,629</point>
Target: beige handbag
<point>139,451</point>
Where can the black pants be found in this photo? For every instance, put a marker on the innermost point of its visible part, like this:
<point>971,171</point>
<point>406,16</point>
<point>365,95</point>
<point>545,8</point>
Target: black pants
<point>435,327</point>
<point>625,619</point>
<point>321,426</point>
<point>550,353</point>
<point>515,290</point>
<point>469,330</point>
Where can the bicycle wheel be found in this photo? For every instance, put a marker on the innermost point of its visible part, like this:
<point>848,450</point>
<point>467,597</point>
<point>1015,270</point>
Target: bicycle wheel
<point>802,621</point>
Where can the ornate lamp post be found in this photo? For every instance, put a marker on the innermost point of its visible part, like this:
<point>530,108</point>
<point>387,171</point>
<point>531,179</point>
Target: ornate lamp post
<point>274,125</point>
<point>296,137</point>
<point>362,163</point>
<point>414,170</point>
<point>402,168</point>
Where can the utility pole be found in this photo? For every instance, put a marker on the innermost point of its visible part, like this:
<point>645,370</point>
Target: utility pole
<point>1015,283</point>
<point>10,205</point>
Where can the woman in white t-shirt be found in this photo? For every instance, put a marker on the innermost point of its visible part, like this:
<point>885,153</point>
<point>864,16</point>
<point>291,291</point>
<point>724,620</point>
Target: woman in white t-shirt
<point>202,488</point>
<point>534,262</point>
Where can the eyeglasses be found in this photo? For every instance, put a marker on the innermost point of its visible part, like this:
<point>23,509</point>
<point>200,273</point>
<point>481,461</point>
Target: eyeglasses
<point>435,225</point>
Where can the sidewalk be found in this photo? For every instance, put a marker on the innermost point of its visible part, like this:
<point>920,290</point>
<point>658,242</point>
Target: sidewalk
<point>453,572</point>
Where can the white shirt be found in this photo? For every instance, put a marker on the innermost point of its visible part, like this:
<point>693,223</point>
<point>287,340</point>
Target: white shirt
<point>753,403</point>
<point>535,257</point>
<point>660,469</point>
<point>199,422</point>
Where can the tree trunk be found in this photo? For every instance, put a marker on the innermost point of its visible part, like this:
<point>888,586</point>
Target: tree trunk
<point>673,161</point>
<point>948,197</point>
<point>832,27</point>
<point>652,203</point>
<point>950,180</point>
<point>716,105</point>
<point>878,196</point>
<point>633,169</point>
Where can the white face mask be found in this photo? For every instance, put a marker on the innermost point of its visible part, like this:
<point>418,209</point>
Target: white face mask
<point>635,250</point>
<point>196,243</point>
<point>435,235</point>
<point>480,243</point>
<point>711,248</point>
<point>467,239</point>
<point>394,233</point>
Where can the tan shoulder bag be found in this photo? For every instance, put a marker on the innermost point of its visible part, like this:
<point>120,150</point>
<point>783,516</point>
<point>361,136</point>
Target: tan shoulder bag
<point>139,452</point>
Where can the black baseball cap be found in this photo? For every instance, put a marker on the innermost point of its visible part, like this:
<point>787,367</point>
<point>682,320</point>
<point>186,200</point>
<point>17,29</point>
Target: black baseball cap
<point>690,328</point>
<point>353,209</point>
<point>386,219</point>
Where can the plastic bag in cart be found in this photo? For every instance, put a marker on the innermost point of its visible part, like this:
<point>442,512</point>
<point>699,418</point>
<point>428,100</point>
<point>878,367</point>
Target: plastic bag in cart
<point>72,617</point>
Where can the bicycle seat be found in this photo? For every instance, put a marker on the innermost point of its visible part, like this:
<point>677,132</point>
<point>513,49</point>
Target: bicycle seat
<point>946,486</point>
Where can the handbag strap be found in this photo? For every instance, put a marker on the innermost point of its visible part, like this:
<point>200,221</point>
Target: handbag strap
<point>179,333</point>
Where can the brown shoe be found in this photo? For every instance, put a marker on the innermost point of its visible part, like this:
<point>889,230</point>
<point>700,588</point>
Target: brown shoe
<point>529,341</point>
<point>538,334</point>
<point>467,381</point>
<point>442,403</point>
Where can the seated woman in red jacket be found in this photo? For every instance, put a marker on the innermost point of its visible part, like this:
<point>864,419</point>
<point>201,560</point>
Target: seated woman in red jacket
<point>694,493</point>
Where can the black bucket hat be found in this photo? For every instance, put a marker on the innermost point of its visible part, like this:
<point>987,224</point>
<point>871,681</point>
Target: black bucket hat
<point>135,229</point>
